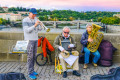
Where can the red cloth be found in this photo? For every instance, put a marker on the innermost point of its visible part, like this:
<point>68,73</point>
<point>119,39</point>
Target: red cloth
<point>45,44</point>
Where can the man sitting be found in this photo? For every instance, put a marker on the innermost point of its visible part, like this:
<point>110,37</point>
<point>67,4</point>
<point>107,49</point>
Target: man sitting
<point>84,41</point>
<point>61,45</point>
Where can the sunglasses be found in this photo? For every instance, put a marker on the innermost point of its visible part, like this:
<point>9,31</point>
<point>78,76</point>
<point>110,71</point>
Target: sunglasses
<point>66,32</point>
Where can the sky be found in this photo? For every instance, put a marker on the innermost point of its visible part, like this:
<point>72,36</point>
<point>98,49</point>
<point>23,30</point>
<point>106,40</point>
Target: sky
<point>76,5</point>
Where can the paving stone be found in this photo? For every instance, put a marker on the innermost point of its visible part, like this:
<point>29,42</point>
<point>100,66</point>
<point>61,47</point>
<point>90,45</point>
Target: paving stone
<point>47,72</point>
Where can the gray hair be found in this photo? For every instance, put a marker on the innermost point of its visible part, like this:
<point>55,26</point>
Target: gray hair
<point>88,25</point>
<point>66,27</point>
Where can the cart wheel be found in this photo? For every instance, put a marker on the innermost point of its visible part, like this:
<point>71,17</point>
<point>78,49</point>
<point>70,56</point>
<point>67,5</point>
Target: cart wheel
<point>41,60</point>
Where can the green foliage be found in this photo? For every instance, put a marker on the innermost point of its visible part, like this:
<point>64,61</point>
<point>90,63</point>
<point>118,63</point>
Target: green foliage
<point>69,15</point>
<point>41,18</point>
<point>17,9</point>
<point>8,21</point>
<point>15,12</point>
<point>110,20</point>
<point>0,21</point>
<point>1,9</point>
<point>4,22</point>
<point>99,19</point>
<point>66,14</point>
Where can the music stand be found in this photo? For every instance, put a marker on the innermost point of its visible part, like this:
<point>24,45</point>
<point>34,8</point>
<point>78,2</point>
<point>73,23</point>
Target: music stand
<point>19,49</point>
<point>19,54</point>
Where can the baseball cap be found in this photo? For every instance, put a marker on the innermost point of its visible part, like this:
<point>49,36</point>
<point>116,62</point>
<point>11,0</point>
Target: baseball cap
<point>33,10</point>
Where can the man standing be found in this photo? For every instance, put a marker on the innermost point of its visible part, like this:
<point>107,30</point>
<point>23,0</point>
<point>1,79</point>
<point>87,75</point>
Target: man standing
<point>30,28</point>
<point>65,38</point>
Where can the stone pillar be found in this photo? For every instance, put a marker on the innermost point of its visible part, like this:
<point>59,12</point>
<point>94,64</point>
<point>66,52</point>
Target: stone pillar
<point>78,25</point>
<point>105,28</point>
<point>55,24</point>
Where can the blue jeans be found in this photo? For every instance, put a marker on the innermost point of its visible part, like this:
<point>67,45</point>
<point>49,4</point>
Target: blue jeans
<point>87,54</point>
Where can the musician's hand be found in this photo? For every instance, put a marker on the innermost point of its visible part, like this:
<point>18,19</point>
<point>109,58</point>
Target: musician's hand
<point>68,46</point>
<point>40,23</point>
<point>63,51</point>
<point>37,23</point>
<point>71,46</point>
<point>90,40</point>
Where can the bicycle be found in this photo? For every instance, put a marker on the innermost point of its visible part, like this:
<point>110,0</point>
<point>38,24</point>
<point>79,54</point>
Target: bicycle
<point>40,59</point>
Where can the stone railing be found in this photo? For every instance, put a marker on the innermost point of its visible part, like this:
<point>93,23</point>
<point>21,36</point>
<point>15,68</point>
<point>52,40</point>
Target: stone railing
<point>8,39</point>
<point>113,29</point>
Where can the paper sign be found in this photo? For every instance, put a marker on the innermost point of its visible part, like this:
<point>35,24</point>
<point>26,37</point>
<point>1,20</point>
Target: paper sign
<point>21,46</point>
<point>71,59</point>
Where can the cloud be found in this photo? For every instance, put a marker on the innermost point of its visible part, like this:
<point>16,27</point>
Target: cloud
<point>61,4</point>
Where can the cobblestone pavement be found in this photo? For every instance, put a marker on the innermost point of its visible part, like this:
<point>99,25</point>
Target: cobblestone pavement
<point>47,72</point>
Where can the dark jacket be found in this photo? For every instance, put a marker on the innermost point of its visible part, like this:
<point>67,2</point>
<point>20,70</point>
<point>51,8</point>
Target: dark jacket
<point>84,41</point>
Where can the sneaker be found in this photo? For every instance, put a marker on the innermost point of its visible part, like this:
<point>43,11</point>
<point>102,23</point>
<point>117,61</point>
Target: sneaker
<point>76,73</point>
<point>32,76</point>
<point>35,73</point>
<point>94,64</point>
<point>64,74</point>
<point>85,66</point>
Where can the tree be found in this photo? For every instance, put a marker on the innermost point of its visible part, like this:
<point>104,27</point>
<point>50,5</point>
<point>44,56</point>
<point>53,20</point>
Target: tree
<point>110,20</point>
<point>41,18</point>
<point>99,19</point>
<point>1,9</point>
<point>15,12</point>
<point>3,21</point>
<point>8,21</point>
<point>71,18</point>
<point>0,21</point>
<point>46,18</point>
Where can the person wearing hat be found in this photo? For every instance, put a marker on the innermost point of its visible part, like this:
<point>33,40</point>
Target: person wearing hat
<point>30,27</point>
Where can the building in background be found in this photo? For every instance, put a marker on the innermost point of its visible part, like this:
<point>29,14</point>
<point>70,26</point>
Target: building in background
<point>5,9</point>
<point>15,17</point>
<point>117,15</point>
<point>11,16</point>
<point>22,12</point>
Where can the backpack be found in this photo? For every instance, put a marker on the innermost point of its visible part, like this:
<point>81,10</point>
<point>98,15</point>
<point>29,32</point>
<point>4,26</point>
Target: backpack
<point>106,50</point>
<point>12,76</point>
